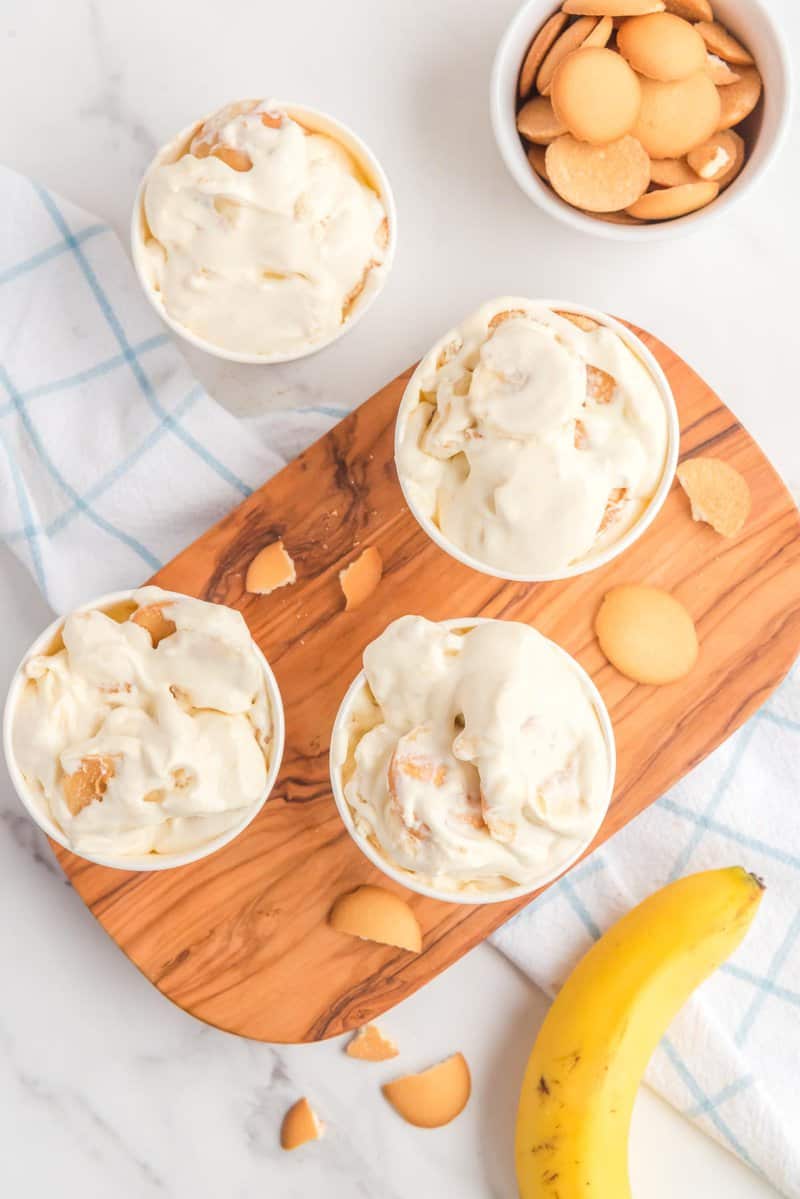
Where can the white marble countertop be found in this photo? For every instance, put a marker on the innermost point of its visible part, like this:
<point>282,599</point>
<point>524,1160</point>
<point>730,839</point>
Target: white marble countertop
<point>105,1086</point>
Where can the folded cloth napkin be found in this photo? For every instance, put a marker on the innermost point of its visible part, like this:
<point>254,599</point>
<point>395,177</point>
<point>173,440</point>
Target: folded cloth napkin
<point>113,459</point>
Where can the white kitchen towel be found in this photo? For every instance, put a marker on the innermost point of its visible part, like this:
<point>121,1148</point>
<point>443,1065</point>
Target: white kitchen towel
<point>114,459</point>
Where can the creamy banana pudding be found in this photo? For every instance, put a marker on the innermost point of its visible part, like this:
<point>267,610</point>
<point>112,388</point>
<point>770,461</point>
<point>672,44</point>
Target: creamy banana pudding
<point>146,728</point>
<point>532,440</point>
<point>472,755</point>
<point>259,234</point>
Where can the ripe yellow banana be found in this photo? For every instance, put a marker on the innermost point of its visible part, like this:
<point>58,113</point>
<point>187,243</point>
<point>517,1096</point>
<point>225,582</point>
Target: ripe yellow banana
<point>592,1050</point>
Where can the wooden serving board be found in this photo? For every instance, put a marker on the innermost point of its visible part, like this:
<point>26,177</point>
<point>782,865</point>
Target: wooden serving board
<point>240,940</point>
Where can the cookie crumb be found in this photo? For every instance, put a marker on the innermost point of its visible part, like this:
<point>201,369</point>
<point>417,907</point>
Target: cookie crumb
<point>433,1097</point>
<point>271,568</point>
<point>370,1045</point>
<point>374,914</point>
<point>361,577</point>
<point>300,1125</point>
<point>718,494</point>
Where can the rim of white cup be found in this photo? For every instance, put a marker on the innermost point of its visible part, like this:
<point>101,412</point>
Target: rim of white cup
<point>759,31</point>
<point>318,121</point>
<point>134,862</point>
<point>612,551</point>
<point>405,877</point>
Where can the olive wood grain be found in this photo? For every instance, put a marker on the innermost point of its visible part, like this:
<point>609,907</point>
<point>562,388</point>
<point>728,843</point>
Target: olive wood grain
<point>240,940</point>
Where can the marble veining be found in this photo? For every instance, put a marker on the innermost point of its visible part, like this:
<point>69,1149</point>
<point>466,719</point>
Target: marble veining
<point>110,104</point>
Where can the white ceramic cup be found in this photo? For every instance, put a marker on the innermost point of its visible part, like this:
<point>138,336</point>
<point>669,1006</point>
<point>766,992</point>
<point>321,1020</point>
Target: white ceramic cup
<point>749,20</point>
<point>603,557</point>
<point>340,741</point>
<point>319,122</point>
<point>34,805</point>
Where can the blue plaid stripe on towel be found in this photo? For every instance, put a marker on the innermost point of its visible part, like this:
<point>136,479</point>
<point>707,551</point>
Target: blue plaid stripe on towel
<point>113,459</point>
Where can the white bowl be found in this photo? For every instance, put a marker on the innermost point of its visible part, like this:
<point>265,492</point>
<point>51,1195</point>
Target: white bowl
<point>749,20</point>
<point>33,803</point>
<point>633,534</point>
<point>339,742</point>
<point>320,122</point>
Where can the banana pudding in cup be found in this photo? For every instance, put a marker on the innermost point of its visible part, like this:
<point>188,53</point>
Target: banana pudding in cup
<point>537,440</point>
<point>264,231</point>
<point>471,760</point>
<point>145,730</point>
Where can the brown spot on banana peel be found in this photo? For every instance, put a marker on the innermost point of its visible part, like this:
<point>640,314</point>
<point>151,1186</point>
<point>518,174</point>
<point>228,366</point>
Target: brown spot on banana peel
<point>543,1087</point>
